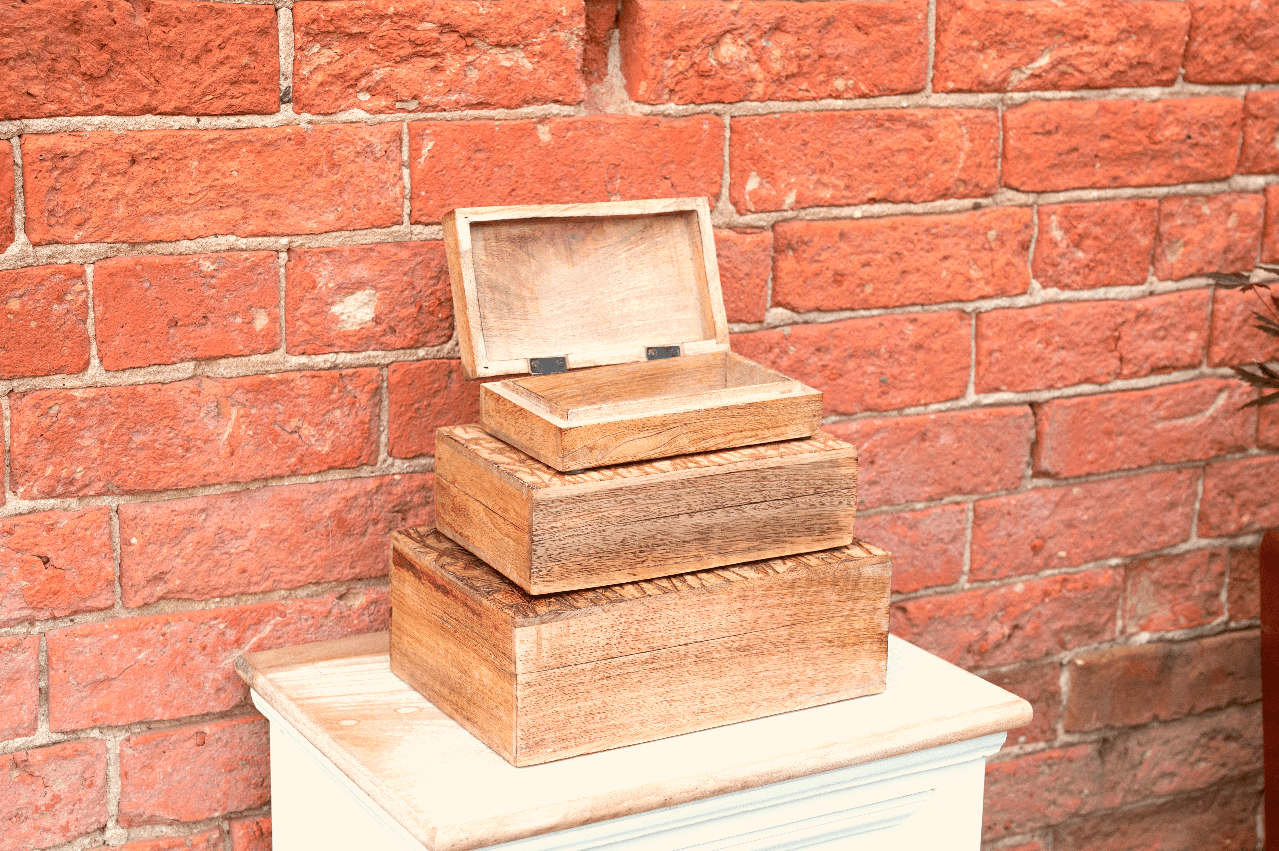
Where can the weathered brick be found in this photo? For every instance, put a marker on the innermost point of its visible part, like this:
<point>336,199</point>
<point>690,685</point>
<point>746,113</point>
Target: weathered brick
<point>871,364</point>
<point>44,326</point>
<point>1233,339</point>
<point>1223,819</point>
<point>745,264</point>
<point>593,158</point>
<point>6,194</point>
<point>190,433</point>
<point>391,55</point>
<point>1039,789</point>
<point>601,18</point>
<point>361,297</point>
<point>251,834</point>
<point>210,840</point>
<point>53,794</point>
<point>927,546</point>
<point>1207,233</point>
<point>55,564</point>
<point>19,685</point>
<point>901,260</point>
<point>194,773</point>
<point>1270,227</point>
<point>819,159</point>
<point>1243,594</point>
<point>1268,426</point>
<point>930,456</point>
<point>172,665</point>
<point>1232,41</point>
<point>1053,145</point>
<point>182,184</point>
<point>1260,133</point>
<point>1091,342</point>
<point>1239,496</point>
<point>266,539</point>
<point>152,310</point>
<point>1041,685</point>
<point>1174,592</point>
<point>1023,45</point>
<point>1104,244</point>
<point>1127,686</point>
<point>708,51</point>
<point>1018,622</point>
<point>112,58</point>
<point>1069,525</point>
<point>424,396</point>
<point>1192,421</point>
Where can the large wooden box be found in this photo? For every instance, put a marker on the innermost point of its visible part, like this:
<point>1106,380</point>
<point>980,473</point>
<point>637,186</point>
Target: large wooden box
<point>548,531</point>
<point>630,289</point>
<point>543,678</point>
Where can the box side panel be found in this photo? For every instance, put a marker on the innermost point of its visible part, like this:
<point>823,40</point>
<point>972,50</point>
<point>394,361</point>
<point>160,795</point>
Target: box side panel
<point>510,421</point>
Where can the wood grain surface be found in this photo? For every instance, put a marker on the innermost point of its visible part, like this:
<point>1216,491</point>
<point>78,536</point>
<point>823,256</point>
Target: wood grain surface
<point>549,531</point>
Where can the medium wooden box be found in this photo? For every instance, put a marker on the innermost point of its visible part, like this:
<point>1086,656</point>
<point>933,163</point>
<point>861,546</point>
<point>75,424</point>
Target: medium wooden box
<point>548,531</point>
<point>630,289</point>
<point>543,678</point>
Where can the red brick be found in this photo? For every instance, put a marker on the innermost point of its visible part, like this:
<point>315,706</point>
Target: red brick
<point>1025,45</point>
<point>708,51</point>
<point>1260,133</point>
<point>1199,234</point>
<point>53,795</point>
<point>6,194</point>
<point>210,840</point>
<point>1090,342</point>
<point>875,363</point>
<point>182,184</point>
<point>111,58</point>
<point>263,540</point>
<point>593,158</point>
<point>194,773</point>
<point>927,546</point>
<point>1174,592</point>
<point>1032,845</point>
<point>601,18</point>
<point>745,264</point>
<point>391,55</point>
<point>1182,756</point>
<point>1127,686</point>
<point>44,327</point>
<point>1243,594</point>
<point>821,159</point>
<point>1268,426</point>
<point>152,310</point>
<point>424,396</point>
<point>19,685</point>
<point>1233,339</point>
<point>1052,145</point>
<point>1006,624</point>
<point>930,456</point>
<point>1239,496</point>
<point>1105,244</point>
<point>1041,685</point>
<point>1270,228</point>
<point>1040,789</point>
<point>1193,421</point>
<point>172,665</point>
<point>898,261</point>
<point>1233,41</point>
<point>55,564</point>
<point>197,432</point>
<point>362,297</point>
<point>1069,525</point>
<point>251,834</point>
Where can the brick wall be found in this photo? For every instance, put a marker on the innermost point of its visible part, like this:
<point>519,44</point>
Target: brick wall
<point>979,225</point>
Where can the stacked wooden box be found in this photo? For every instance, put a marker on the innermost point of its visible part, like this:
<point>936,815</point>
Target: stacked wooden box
<point>658,544</point>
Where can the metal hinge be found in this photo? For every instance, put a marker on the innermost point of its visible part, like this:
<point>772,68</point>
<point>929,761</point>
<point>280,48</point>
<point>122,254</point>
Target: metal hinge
<point>661,352</point>
<point>547,366</point>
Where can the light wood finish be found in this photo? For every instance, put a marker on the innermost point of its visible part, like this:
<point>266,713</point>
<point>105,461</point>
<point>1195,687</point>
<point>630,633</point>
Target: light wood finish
<point>548,531</point>
<point>543,678</point>
<point>451,793</point>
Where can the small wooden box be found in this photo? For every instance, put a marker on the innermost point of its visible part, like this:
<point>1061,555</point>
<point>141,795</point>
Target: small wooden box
<point>543,678</point>
<point>548,531</point>
<point>631,289</point>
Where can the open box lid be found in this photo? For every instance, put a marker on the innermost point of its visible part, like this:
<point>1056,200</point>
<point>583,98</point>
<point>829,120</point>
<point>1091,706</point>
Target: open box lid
<point>553,287</point>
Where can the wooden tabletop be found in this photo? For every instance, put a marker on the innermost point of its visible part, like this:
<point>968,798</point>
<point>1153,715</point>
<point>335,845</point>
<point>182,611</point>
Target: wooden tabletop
<point>453,793</point>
